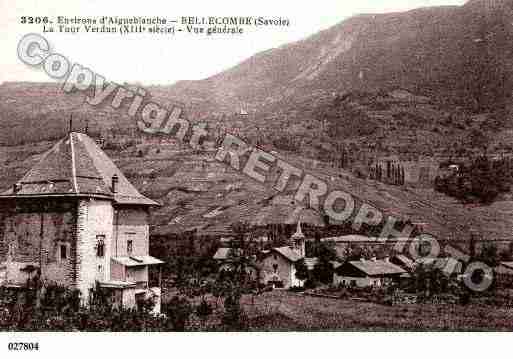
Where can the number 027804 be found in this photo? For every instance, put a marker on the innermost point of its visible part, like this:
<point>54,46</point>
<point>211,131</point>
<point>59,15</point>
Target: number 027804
<point>20,346</point>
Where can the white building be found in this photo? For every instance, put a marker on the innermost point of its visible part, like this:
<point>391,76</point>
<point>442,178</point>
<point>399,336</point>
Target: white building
<point>278,266</point>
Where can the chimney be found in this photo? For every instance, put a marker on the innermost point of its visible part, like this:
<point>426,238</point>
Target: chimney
<point>115,180</point>
<point>16,188</point>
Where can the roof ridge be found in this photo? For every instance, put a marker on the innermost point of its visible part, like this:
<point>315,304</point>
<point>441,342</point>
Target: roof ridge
<point>88,150</point>
<point>73,164</point>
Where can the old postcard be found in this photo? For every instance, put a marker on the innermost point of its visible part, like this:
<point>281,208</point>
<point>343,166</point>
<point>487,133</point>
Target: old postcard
<point>255,167</point>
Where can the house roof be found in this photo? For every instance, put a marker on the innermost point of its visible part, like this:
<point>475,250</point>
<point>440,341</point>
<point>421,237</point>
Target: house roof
<point>134,261</point>
<point>447,263</point>
<point>288,253</point>
<point>405,261</point>
<point>335,264</point>
<point>76,166</point>
<point>507,264</point>
<point>222,253</point>
<point>357,238</point>
<point>117,284</point>
<point>377,267</point>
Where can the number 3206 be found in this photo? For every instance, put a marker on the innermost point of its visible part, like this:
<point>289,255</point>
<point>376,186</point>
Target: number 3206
<point>34,20</point>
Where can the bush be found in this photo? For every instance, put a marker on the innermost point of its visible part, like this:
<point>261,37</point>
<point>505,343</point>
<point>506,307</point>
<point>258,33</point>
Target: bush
<point>483,180</point>
<point>233,318</point>
<point>178,311</point>
<point>204,309</point>
<point>55,308</point>
<point>311,283</point>
<point>297,289</point>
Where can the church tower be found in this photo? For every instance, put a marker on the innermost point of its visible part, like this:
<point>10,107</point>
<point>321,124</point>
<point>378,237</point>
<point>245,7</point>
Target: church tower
<point>297,241</point>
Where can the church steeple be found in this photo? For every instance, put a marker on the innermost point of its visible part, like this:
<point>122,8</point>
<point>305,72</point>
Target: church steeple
<point>297,241</point>
<point>299,233</point>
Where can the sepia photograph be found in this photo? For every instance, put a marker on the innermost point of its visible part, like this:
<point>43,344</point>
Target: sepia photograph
<point>255,167</point>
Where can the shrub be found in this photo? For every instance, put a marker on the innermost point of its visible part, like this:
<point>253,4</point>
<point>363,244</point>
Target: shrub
<point>178,311</point>
<point>296,289</point>
<point>204,309</point>
<point>233,317</point>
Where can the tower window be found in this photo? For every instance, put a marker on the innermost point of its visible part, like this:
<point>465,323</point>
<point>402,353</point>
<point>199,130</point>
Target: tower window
<point>100,246</point>
<point>129,246</point>
<point>64,251</point>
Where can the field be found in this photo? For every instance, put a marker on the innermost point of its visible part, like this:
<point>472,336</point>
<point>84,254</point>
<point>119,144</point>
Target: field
<point>287,311</point>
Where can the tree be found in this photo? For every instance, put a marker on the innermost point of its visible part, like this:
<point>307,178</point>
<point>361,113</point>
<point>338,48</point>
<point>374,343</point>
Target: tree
<point>429,280</point>
<point>489,255</point>
<point>323,269</point>
<point>238,280</point>
<point>302,272</point>
<point>204,309</point>
<point>178,311</point>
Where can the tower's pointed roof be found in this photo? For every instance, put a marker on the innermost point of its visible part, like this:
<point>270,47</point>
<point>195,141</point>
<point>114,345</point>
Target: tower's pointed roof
<point>299,233</point>
<point>76,166</point>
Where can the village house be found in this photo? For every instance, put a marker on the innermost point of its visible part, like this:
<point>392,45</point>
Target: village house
<point>367,273</point>
<point>74,219</point>
<point>225,257</point>
<point>277,266</point>
<point>354,243</point>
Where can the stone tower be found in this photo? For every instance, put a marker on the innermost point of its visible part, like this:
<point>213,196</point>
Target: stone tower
<point>78,221</point>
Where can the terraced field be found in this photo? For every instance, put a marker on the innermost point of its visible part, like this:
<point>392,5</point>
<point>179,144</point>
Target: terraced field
<point>198,192</point>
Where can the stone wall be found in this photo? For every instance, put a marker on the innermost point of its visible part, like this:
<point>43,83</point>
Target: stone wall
<point>95,218</point>
<point>31,234</point>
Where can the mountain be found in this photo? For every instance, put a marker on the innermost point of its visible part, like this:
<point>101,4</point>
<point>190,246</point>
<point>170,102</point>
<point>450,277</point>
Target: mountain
<point>457,55</point>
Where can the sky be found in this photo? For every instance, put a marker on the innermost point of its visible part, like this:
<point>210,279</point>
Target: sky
<point>164,59</point>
